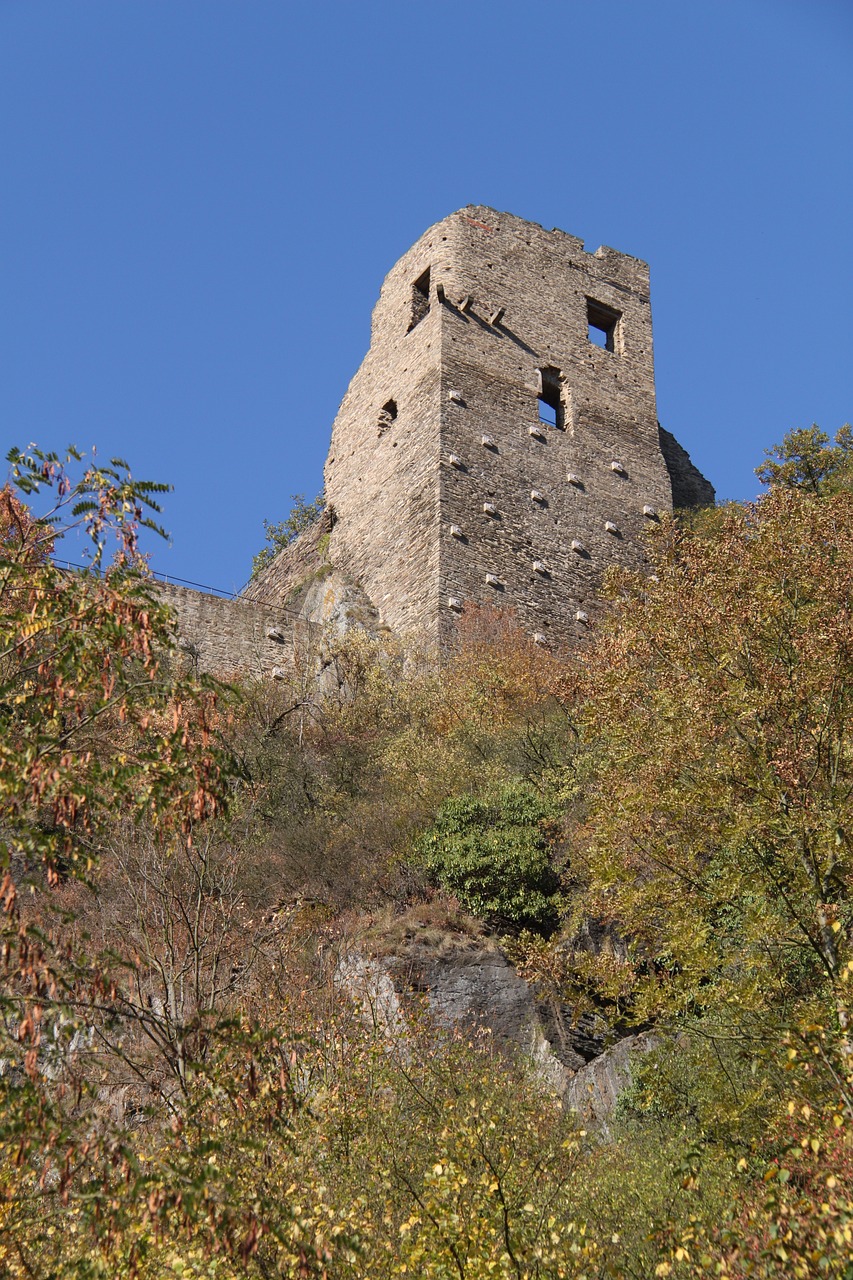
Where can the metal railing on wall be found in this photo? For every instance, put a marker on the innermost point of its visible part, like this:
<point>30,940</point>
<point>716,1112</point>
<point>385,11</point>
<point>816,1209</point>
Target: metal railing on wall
<point>171,580</point>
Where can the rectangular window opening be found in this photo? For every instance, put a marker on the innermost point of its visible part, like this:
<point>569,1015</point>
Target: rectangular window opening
<point>602,325</point>
<point>547,413</point>
<point>420,299</point>
<point>552,412</point>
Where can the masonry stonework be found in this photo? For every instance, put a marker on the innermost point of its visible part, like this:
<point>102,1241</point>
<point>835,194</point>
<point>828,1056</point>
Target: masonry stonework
<point>446,486</point>
<point>282,578</point>
<point>498,445</point>
<point>229,637</point>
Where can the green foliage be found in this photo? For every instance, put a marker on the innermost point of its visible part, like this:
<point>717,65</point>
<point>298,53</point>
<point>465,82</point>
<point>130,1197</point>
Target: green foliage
<point>342,783</point>
<point>720,708</point>
<point>494,855</point>
<point>714,842</point>
<point>461,1164</point>
<point>788,1211</point>
<point>96,729</point>
<point>302,516</point>
<point>806,460</point>
<point>92,725</point>
<point>186,1088</point>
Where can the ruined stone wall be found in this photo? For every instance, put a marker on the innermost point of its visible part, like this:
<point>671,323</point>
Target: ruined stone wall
<point>689,486</point>
<point>382,473</point>
<point>293,567</point>
<point>445,486</point>
<point>549,486</point>
<point>228,637</point>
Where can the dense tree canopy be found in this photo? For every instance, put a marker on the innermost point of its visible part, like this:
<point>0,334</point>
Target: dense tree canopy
<point>720,711</point>
<point>808,461</point>
<point>662,822</point>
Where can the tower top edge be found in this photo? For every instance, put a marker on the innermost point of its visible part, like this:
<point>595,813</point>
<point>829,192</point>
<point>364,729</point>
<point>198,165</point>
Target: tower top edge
<point>489,221</point>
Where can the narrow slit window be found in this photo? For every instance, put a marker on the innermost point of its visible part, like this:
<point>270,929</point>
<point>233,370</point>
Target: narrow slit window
<point>552,412</point>
<point>602,325</point>
<point>420,299</point>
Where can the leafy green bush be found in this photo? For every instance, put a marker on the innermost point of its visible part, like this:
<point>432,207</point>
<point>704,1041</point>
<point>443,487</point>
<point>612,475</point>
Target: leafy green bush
<point>494,855</point>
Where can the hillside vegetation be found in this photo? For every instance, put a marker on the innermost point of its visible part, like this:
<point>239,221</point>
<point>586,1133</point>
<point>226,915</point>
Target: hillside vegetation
<point>187,1088</point>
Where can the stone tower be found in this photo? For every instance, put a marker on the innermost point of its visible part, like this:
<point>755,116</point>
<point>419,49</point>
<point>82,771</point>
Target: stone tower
<point>499,445</point>
<point>500,441</point>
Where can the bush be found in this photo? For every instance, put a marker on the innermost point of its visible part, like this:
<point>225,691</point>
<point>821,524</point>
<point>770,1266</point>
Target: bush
<point>494,855</point>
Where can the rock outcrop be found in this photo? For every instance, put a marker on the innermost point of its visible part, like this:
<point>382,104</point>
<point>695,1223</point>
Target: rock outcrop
<point>594,1090</point>
<point>473,986</point>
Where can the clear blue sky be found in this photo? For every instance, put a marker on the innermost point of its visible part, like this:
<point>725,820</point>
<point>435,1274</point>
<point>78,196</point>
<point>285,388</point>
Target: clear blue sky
<point>199,200</point>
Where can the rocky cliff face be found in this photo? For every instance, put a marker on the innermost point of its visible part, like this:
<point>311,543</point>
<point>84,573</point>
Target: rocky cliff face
<point>472,986</point>
<point>594,1090</point>
<point>293,566</point>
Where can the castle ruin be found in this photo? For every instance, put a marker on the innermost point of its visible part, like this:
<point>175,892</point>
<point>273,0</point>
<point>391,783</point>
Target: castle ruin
<point>500,442</point>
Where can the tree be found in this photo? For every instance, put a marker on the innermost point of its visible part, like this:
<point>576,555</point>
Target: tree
<point>84,656</point>
<point>805,460</point>
<point>715,843</point>
<point>301,517</point>
<point>97,727</point>
<point>720,704</point>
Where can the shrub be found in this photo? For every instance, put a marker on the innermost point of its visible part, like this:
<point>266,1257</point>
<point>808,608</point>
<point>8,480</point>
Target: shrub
<point>494,855</point>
